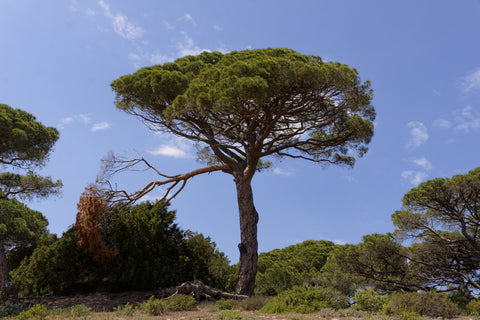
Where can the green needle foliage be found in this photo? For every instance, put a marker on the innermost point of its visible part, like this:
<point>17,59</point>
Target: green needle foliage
<point>443,217</point>
<point>24,142</point>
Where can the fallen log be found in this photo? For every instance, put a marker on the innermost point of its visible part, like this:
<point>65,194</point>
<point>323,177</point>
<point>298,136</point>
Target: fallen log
<point>200,292</point>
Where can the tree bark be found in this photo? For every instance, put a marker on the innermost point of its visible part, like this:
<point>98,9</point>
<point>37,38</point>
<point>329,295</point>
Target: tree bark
<point>7,287</point>
<point>248,246</point>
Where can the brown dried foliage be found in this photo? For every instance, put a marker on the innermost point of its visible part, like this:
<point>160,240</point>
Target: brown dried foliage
<point>91,227</point>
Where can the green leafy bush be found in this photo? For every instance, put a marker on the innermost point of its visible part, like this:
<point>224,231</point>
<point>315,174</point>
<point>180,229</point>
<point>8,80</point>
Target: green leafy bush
<point>181,303</point>
<point>473,307</point>
<point>78,310</point>
<point>429,304</point>
<point>253,303</point>
<point>407,315</point>
<point>369,300</point>
<point>153,252</point>
<point>125,311</point>
<point>229,315</point>
<point>38,311</point>
<point>283,269</point>
<point>11,309</point>
<point>306,300</point>
<point>153,306</point>
<point>225,304</point>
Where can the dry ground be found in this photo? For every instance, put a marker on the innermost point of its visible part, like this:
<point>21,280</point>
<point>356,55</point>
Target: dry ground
<point>102,305</point>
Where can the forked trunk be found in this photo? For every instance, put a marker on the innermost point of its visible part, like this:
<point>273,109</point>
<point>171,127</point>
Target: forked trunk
<point>7,288</point>
<point>248,233</point>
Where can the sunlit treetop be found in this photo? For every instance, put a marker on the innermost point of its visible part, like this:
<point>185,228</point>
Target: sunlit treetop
<point>253,104</point>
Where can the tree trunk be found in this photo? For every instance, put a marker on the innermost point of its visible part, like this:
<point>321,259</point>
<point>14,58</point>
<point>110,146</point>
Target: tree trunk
<point>248,233</point>
<point>7,287</point>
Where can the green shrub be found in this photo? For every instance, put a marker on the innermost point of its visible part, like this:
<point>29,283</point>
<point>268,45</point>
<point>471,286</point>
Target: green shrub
<point>38,311</point>
<point>125,311</point>
<point>407,315</point>
<point>226,304</point>
<point>253,303</point>
<point>153,306</point>
<point>11,309</point>
<point>181,303</point>
<point>78,310</point>
<point>369,300</point>
<point>430,304</point>
<point>306,300</point>
<point>473,307</point>
<point>229,315</point>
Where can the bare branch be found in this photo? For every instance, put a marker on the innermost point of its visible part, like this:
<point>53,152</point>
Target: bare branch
<point>122,196</point>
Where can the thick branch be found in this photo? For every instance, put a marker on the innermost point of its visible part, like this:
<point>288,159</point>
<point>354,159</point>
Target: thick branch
<point>171,182</point>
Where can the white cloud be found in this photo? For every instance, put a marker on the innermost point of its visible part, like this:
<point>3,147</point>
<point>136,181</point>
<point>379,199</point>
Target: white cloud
<point>471,81</point>
<point>170,151</point>
<point>282,172</point>
<point>414,177</point>
<point>64,122</point>
<point>418,134</point>
<point>217,28</point>
<point>168,25</point>
<point>187,17</point>
<point>188,48</point>
<point>442,123</point>
<point>158,59</point>
<point>120,23</point>
<point>467,120</point>
<point>423,163</point>
<point>147,59</point>
<point>85,118</point>
<point>100,126</point>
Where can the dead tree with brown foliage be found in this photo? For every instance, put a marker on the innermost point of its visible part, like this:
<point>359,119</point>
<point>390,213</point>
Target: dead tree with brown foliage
<point>92,226</point>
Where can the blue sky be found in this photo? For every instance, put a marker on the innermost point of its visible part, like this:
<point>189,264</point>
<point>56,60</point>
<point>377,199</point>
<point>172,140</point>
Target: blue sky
<point>58,58</point>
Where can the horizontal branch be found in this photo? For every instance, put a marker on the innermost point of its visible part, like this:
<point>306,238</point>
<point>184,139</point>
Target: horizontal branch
<point>122,196</point>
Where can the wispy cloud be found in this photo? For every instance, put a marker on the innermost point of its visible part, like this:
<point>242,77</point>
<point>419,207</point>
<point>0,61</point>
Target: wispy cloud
<point>64,122</point>
<point>176,148</point>
<point>187,47</point>
<point>418,134</point>
<point>167,25</point>
<point>84,119</point>
<point>282,172</point>
<point>442,123</point>
<point>187,17</point>
<point>417,175</point>
<point>471,82</point>
<point>423,163</point>
<point>467,120</point>
<point>120,23</point>
<point>414,177</point>
<point>100,126</point>
<point>169,151</point>
<point>147,59</point>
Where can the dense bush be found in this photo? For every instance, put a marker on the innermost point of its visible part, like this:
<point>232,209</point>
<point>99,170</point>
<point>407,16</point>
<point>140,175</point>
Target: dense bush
<point>282,269</point>
<point>430,304</point>
<point>153,252</point>
<point>306,300</point>
<point>369,300</point>
<point>60,267</point>
<point>473,307</point>
<point>11,310</point>
<point>180,303</point>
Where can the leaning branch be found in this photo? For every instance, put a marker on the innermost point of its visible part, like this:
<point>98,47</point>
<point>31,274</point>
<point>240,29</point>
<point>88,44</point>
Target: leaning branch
<point>174,184</point>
